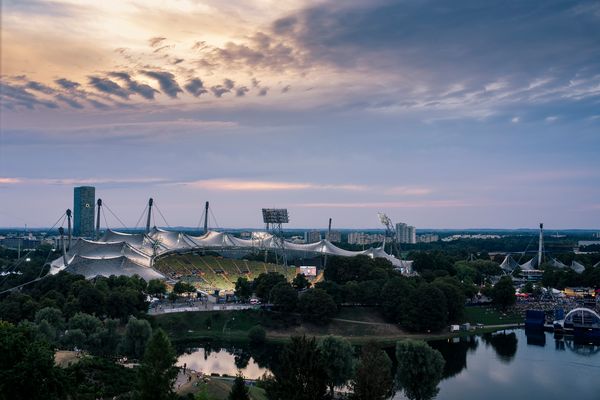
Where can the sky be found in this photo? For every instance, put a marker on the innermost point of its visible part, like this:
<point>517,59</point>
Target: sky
<point>462,114</point>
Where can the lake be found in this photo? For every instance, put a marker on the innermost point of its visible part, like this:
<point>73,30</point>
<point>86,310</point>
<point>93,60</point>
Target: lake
<point>511,364</point>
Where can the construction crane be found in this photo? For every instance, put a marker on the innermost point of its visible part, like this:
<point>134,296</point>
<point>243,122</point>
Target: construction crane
<point>390,232</point>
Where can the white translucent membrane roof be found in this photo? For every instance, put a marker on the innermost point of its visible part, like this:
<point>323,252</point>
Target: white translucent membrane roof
<point>126,253</point>
<point>509,264</point>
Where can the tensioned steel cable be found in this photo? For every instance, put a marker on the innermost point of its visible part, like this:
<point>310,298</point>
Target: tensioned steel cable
<point>113,214</point>
<point>105,221</point>
<point>161,214</point>
<point>60,220</point>
<point>141,216</point>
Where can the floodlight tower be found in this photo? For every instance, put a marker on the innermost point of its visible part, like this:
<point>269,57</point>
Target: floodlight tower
<point>275,218</point>
<point>69,227</point>
<point>541,246</point>
<point>150,203</point>
<point>206,218</point>
<point>99,203</point>
<point>391,233</point>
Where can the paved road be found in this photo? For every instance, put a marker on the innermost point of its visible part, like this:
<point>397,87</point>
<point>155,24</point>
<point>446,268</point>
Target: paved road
<point>168,309</point>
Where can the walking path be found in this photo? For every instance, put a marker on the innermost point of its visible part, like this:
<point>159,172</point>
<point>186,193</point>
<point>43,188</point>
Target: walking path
<point>199,306</point>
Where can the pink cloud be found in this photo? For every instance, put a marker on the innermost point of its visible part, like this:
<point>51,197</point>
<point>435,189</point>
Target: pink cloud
<point>260,186</point>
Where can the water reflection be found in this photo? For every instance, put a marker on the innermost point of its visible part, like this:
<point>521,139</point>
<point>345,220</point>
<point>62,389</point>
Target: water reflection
<point>217,358</point>
<point>510,364</point>
<point>454,352</point>
<point>505,344</point>
<point>535,337</point>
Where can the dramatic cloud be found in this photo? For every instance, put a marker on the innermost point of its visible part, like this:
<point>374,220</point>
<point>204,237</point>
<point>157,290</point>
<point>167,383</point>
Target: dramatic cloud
<point>195,87</point>
<point>241,91</point>
<point>71,102</point>
<point>40,87</point>
<point>407,100</point>
<point>146,91</point>
<point>228,83</point>
<point>167,82</point>
<point>12,96</point>
<point>67,84</point>
<point>109,87</point>
<point>219,90</point>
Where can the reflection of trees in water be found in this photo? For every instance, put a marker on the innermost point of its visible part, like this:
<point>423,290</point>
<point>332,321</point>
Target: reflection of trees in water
<point>505,344</point>
<point>241,358</point>
<point>454,352</point>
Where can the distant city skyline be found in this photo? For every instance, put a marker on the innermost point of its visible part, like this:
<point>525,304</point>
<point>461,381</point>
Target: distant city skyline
<point>474,115</point>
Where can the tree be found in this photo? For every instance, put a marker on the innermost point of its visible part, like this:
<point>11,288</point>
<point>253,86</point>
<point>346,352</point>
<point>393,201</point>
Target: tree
<point>137,334</point>
<point>257,335</point>
<point>264,283</point>
<point>425,309</point>
<point>393,296</point>
<point>91,300</point>
<point>99,378</point>
<point>156,287</point>
<point>284,297</point>
<point>503,293</point>
<point>300,373</point>
<point>300,282</point>
<point>370,292</point>
<point>157,371</point>
<point>27,369</point>
<point>52,315</point>
<point>87,323</point>
<point>183,287</point>
<point>74,338</point>
<point>338,357</point>
<point>105,341</point>
<point>317,306</point>
<point>243,289</point>
<point>239,391</point>
<point>373,378</point>
<point>420,369</point>
<point>455,299</point>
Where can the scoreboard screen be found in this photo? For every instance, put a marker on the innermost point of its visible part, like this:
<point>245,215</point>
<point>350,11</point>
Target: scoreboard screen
<point>308,270</point>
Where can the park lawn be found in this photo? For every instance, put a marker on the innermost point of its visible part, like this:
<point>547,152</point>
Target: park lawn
<point>488,315</point>
<point>365,314</point>
<point>357,324</point>
<point>209,324</point>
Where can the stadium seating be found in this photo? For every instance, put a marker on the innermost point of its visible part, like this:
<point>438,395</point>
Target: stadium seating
<point>210,272</point>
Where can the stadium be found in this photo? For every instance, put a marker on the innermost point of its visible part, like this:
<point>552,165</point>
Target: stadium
<point>212,261</point>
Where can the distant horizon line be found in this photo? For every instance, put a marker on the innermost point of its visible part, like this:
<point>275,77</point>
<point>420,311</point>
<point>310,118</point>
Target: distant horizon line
<point>189,228</point>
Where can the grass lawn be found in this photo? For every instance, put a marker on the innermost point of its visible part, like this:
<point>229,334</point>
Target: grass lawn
<point>357,324</point>
<point>208,325</point>
<point>365,314</point>
<point>490,316</point>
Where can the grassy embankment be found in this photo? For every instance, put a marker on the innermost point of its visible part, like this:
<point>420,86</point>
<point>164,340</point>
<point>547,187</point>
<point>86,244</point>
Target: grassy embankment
<point>357,324</point>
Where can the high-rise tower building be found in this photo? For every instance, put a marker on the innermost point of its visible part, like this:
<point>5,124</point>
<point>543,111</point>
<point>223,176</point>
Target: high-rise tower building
<point>406,233</point>
<point>84,202</point>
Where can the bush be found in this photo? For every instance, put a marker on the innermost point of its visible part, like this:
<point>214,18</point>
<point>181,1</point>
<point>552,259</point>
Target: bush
<point>317,306</point>
<point>257,335</point>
